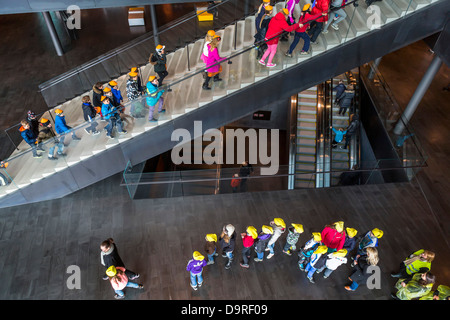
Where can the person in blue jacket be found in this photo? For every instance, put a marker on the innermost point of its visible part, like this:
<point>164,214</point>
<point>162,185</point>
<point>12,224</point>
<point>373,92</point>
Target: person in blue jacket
<point>111,114</point>
<point>338,137</point>
<point>153,97</point>
<point>30,138</point>
<point>61,126</point>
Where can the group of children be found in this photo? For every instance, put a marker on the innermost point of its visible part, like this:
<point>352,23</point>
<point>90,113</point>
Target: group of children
<point>324,252</point>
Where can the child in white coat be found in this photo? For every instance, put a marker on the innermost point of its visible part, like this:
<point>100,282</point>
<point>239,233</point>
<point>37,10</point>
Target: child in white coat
<point>334,260</point>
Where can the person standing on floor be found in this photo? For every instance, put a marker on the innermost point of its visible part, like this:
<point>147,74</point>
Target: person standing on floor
<point>339,89</point>
<point>245,171</point>
<point>370,239</point>
<point>141,88</point>
<point>300,33</point>
<point>321,7</point>
<point>235,182</point>
<point>261,242</point>
<point>109,256</point>
<point>154,97</point>
<point>338,14</point>
<point>333,236</point>
<point>317,261</point>
<point>211,247</point>
<point>416,287</point>
<point>277,25</point>
<point>345,100</point>
<point>260,12</point>
<point>195,268</point>
<point>34,123</point>
<point>212,62</point>
<point>119,281</point>
<point>361,269</point>
<point>227,242</point>
<point>294,232</point>
<point>111,114</point>
<point>279,227</point>
<point>350,240</point>
<point>159,62</point>
<point>307,250</point>
<point>334,260</point>
<point>417,262</point>
<point>248,239</point>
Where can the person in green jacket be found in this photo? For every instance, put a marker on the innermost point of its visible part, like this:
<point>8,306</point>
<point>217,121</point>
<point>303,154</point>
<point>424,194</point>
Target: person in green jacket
<point>417,287</point>
<point>441,293</point>
<point>417,262</point>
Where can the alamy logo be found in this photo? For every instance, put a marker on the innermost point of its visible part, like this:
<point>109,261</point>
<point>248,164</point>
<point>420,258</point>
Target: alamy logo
<point>374,280</point>
<point>211,154</point>
<point>374,18</point>
<point>74,19</point>
<point>74,280</point>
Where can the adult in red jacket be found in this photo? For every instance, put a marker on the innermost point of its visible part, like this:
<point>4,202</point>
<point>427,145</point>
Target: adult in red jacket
<point>277,26</point>
<point>316,26</point>
<point>333,236</point>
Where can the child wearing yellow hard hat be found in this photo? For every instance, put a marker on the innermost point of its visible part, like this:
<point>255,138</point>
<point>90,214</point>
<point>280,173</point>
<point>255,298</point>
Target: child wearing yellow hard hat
<point>211,247</point>
<point>333,261</point>
<point>294,232</point>
<point>307,250</point>
<point>263,237</point>
<point>248,239</point>
<point>195,268</point>
<point>369,240</point>
<point>317,261</point>
<point>119,281</point>
<point>279,227</point>
<point>159,62</point>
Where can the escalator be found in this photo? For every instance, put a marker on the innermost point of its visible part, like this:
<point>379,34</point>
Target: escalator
<point>246,87</point>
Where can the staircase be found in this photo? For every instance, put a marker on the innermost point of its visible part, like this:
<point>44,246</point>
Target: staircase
<point>306,138</point>
<point>246,84</point>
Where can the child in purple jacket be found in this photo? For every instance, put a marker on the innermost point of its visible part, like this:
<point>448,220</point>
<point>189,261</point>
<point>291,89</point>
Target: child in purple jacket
<point>195,268</point>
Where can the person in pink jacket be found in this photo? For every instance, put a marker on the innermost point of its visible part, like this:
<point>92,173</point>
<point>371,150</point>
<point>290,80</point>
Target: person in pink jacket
<point>119,281</point>
<point>333,236</point>
<point>277,26</point>
<point>212,58</point>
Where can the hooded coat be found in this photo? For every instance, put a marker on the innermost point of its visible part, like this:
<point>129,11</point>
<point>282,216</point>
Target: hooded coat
<point>277,25</point>
<point>212,58</point>
<point>332,238</point>
<point>96,96</point>
<point>320,7</point>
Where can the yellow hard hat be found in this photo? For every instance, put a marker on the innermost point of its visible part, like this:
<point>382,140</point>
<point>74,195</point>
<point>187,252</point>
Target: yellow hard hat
<point>111,271</point>
<point>133,74</point>
<point>351,232</point>
<point>377,233</point>
<point>103,98</point>
<point>198,256</point>
<point>211,237</point>
<point>339,226</point>
<point>160,47</point>
<point>58,111</point>
<point>134,69</point>
<point>43,120</point>
<point>298,227</point>
<point>151,78</point>
<point>340,253</point>
<point>107,89</point>
<point>268,8</point>
<point>211,33</point>
<point>317,236</point>
<point>266,1</point>
<point>285,11</point>
<point>252,231</point>
<point>279,222</point>
<point>321,249</point>
<point>267,229</point>
<point>306,7</point>
<point>113,83</point>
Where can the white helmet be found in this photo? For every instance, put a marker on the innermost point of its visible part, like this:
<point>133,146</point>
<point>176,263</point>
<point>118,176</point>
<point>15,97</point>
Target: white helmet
<point>229,229</point>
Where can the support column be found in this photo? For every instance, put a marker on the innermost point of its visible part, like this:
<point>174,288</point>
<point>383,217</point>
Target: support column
<point>154,24</point>
<point>375,65</point>
<point>53,34</point>
<point>418,94</point>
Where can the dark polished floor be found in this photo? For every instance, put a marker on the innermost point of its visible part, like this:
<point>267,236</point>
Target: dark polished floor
<point>157,237</point>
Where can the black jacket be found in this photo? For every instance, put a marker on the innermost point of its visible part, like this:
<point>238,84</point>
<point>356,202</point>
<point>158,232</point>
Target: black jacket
<point>160,60</point>
<point>113,259</point>
<point>228,247</point>
<point>88,111</point>
<point>360,274</point>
